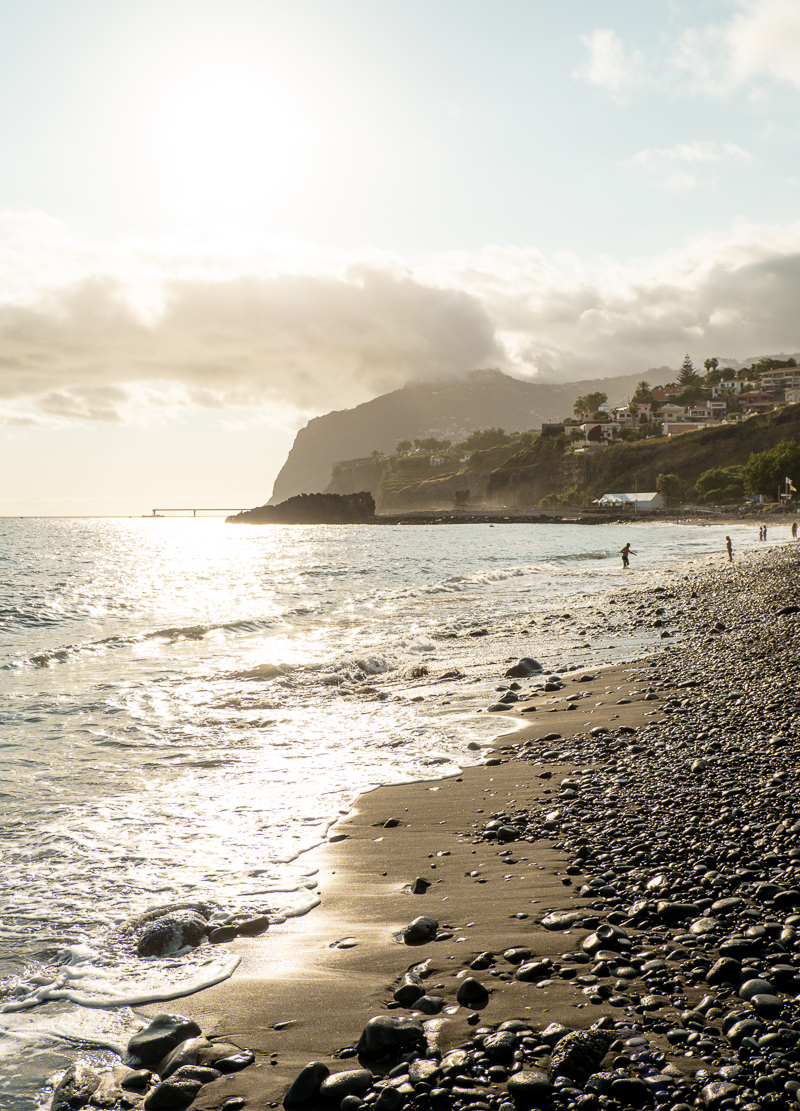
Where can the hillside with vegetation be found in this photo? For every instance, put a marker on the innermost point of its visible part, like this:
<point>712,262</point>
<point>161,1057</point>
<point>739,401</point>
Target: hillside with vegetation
<point>720,452</point>
<point>689,438</point>
<point>431,473</point>
<point>447,409</point>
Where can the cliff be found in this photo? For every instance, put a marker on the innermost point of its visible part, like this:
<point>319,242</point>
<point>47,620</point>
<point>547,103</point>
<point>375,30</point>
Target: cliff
<point>450,409</point>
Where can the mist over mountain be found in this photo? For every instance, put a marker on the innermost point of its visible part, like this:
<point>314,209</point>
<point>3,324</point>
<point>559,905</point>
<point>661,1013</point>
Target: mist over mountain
<point>447,410</point>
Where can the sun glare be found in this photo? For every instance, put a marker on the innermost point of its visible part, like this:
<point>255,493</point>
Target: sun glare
<point>231,148</point>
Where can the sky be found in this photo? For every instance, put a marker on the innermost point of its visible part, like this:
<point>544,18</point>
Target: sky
<point>220,218</point>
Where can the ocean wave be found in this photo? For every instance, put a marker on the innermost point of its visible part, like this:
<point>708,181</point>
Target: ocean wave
<point>259,672</point>
<point>200,632</point>
<point>15,617</point>
<point>63,653</point>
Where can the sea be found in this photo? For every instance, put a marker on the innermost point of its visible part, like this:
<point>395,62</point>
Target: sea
<point>188,705</point>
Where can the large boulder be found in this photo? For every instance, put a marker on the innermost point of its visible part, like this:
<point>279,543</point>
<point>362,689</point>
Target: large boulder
<point>177,930</point>
<point>148,1048</point>
<point>389,1035</point>
<point>75,1088</point>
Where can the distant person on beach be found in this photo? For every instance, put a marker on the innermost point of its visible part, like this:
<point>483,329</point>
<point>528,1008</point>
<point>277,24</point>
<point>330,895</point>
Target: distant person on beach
<point>760,532</point>
<point>794,530</point>
<point>729,546</point>
<point>625,552</point>
<point>765,532</point>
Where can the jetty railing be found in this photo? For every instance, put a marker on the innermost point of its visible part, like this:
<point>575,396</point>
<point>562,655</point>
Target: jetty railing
<point>194,511</point>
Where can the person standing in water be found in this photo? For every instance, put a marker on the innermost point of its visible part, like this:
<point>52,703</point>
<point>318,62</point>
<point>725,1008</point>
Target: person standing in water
<point>625,552</point>
<point>729,546</point>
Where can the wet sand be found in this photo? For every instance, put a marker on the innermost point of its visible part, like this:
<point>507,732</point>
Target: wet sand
<point>298,997</point>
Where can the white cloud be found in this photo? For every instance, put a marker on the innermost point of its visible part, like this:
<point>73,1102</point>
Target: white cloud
<point>610,66</point>
<point>653,158</point>
<point>285,334</point>
<point>662,161</point>
<point>761,40</point>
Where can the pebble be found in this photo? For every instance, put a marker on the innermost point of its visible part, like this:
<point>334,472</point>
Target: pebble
<point>148,1048</point>
<point>421,930</point>
<point>389,1035</point>
<point>686,836</point>
<point>171,1062</point>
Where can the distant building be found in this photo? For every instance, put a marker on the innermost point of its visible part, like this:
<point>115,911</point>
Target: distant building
<point>436,460</point>
<point>599,433</point>
<point>735,385</point>
<point>646,500</point>
<point>663,394</point>
<point>783,378</point>
<point>680,428</point>
<point>554,429</point>
<point>756,401</point>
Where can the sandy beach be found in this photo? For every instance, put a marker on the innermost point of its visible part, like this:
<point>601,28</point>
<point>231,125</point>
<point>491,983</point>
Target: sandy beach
<point>643,836</point>
<point>297,997</point>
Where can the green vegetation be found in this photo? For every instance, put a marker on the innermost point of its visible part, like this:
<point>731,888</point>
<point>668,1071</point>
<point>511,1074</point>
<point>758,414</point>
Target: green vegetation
<point>711,465</point>
<point>410,471</point>
<point>670,487</point>
<point>589,403</point>
<point>719,486</point>
<point>765,472</point>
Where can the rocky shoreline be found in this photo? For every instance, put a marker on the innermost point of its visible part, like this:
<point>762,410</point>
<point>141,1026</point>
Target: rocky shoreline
<point>611,906</point>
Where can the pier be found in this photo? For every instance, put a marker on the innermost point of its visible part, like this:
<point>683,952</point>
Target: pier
<point>194,512</point>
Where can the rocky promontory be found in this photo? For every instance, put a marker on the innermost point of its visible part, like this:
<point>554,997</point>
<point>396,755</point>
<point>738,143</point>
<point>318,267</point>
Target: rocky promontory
<point>311,509</point>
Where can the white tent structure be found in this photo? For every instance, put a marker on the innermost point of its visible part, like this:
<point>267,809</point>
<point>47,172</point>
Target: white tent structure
<point>644,500</point>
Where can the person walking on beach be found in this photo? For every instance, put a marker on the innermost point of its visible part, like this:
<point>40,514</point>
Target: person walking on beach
<point>794,530</point>
<point>625,552</point>
<point>729,546</point>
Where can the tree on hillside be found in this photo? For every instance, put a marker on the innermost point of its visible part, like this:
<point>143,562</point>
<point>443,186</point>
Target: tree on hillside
<point>687,375</point>
<point>484,438</point>
<point>589,403</point>
<point>403,447</point>
<point>713,372</point>
<point>720,486</point>
<point>765,472</point>
<point>731,401</point>
<point>643,394</point>
<point>670,487</point>
<point>719,478</point>
<point>430,443</point>
<point>690,382</point>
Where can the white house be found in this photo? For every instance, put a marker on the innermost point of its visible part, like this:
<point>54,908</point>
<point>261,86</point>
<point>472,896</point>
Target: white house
<point>735,385</point>
<point>644,500</point>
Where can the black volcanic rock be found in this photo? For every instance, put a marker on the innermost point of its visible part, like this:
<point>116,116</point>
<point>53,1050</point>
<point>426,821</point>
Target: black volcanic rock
<point>312,509</point>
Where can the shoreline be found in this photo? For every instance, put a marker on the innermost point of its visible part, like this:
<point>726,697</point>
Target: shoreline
<point>513,516</point>
<point>298,997</point>
<point>363,871</point>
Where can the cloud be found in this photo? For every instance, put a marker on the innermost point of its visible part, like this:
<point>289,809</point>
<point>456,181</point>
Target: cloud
<point>290,335</point>
<point>758,43</point>
<point>310,341</point>
<point>653,158</point>
<point>761,40</point>
<point>662,161</point>
<point>610,66</point>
